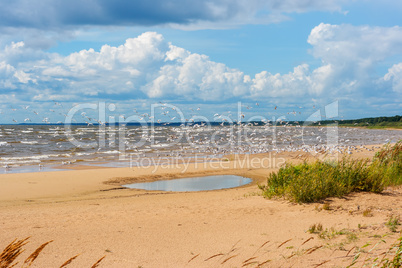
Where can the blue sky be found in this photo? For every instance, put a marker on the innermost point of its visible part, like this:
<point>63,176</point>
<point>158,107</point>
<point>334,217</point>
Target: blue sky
<point>204,57</point>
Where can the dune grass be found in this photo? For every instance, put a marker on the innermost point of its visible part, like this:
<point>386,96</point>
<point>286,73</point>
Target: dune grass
<point>391,258</point>
<point>312,182</point>
<point>388,162</point>
<point>9,255</point>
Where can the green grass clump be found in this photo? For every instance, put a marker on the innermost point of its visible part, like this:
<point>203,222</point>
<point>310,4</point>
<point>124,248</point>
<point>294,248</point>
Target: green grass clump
<point>315,228</point>
<point>391,258</point>
<point>393,223</point>
<point>396,259</point>
<point>367,213</point>
<point>388,162</point>
<point>312,182</point>
<point>307,183</point>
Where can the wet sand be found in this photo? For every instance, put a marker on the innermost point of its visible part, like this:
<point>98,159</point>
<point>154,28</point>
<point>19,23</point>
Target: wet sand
<point>87,212</point>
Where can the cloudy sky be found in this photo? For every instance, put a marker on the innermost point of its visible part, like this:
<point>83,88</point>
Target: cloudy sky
<point>292,57</point>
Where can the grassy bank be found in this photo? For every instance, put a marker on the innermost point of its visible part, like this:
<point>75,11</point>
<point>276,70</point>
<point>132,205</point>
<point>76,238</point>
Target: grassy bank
<point>372,122</point>
<point>312,182</point>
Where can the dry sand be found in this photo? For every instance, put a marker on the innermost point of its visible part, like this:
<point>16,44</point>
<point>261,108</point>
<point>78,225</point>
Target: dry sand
<point>86,212</point>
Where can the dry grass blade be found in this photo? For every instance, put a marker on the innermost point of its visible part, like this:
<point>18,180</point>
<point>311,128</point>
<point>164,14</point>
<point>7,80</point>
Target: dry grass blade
<point>385,253</point>
<point>194,257</point>
<point>233,247</point>
<point>97,263</point>
<point>307,250</point>
<point>249,259</point>
<point>265,262</point>
<point>69,261</point>
<point>36,253</point>
<point>11,252</point>
<point>350,251</point>
<point>311,250</point>
<point>324,262</point>
<point>229,258</point>
<point>249,263</point>
<point>307,241</point>
<point>213,256</point>
<point>284,243</point>
<point>261,247</point>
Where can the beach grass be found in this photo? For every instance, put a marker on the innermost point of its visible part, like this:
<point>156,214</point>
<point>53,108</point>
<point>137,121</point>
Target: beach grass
<point>393,223</point>
<point>313,182</point>
<point>391,258</point>
<point>9,255</point>
<point>388,163</point>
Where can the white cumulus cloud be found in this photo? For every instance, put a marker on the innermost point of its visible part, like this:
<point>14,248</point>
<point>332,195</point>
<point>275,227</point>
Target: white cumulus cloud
<point>148,66</point>
<point>395,75</point>
<point>350,54</point>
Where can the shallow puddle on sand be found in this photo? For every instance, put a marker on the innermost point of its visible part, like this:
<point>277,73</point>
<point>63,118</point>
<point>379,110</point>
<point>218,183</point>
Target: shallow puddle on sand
<point>193,184</point>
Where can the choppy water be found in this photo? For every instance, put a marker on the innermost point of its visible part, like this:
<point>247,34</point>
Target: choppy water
<point>33,145</point>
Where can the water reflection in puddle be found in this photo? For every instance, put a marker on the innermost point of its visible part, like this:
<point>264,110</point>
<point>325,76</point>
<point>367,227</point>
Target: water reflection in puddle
<point>193,184</point>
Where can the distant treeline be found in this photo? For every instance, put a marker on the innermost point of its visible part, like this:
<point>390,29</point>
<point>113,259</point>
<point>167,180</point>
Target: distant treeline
<point>371,122</point>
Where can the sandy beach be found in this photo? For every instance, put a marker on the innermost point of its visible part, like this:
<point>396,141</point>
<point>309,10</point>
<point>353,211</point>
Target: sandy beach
<point>85,211</point>
<point>179,133</point>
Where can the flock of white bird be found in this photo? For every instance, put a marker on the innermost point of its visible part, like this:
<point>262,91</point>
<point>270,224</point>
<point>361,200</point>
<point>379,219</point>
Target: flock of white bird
<point>231,137</point>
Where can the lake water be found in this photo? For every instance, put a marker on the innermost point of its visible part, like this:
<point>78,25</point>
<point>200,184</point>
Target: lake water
<point>193,184</point>
<point>32,148</point>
